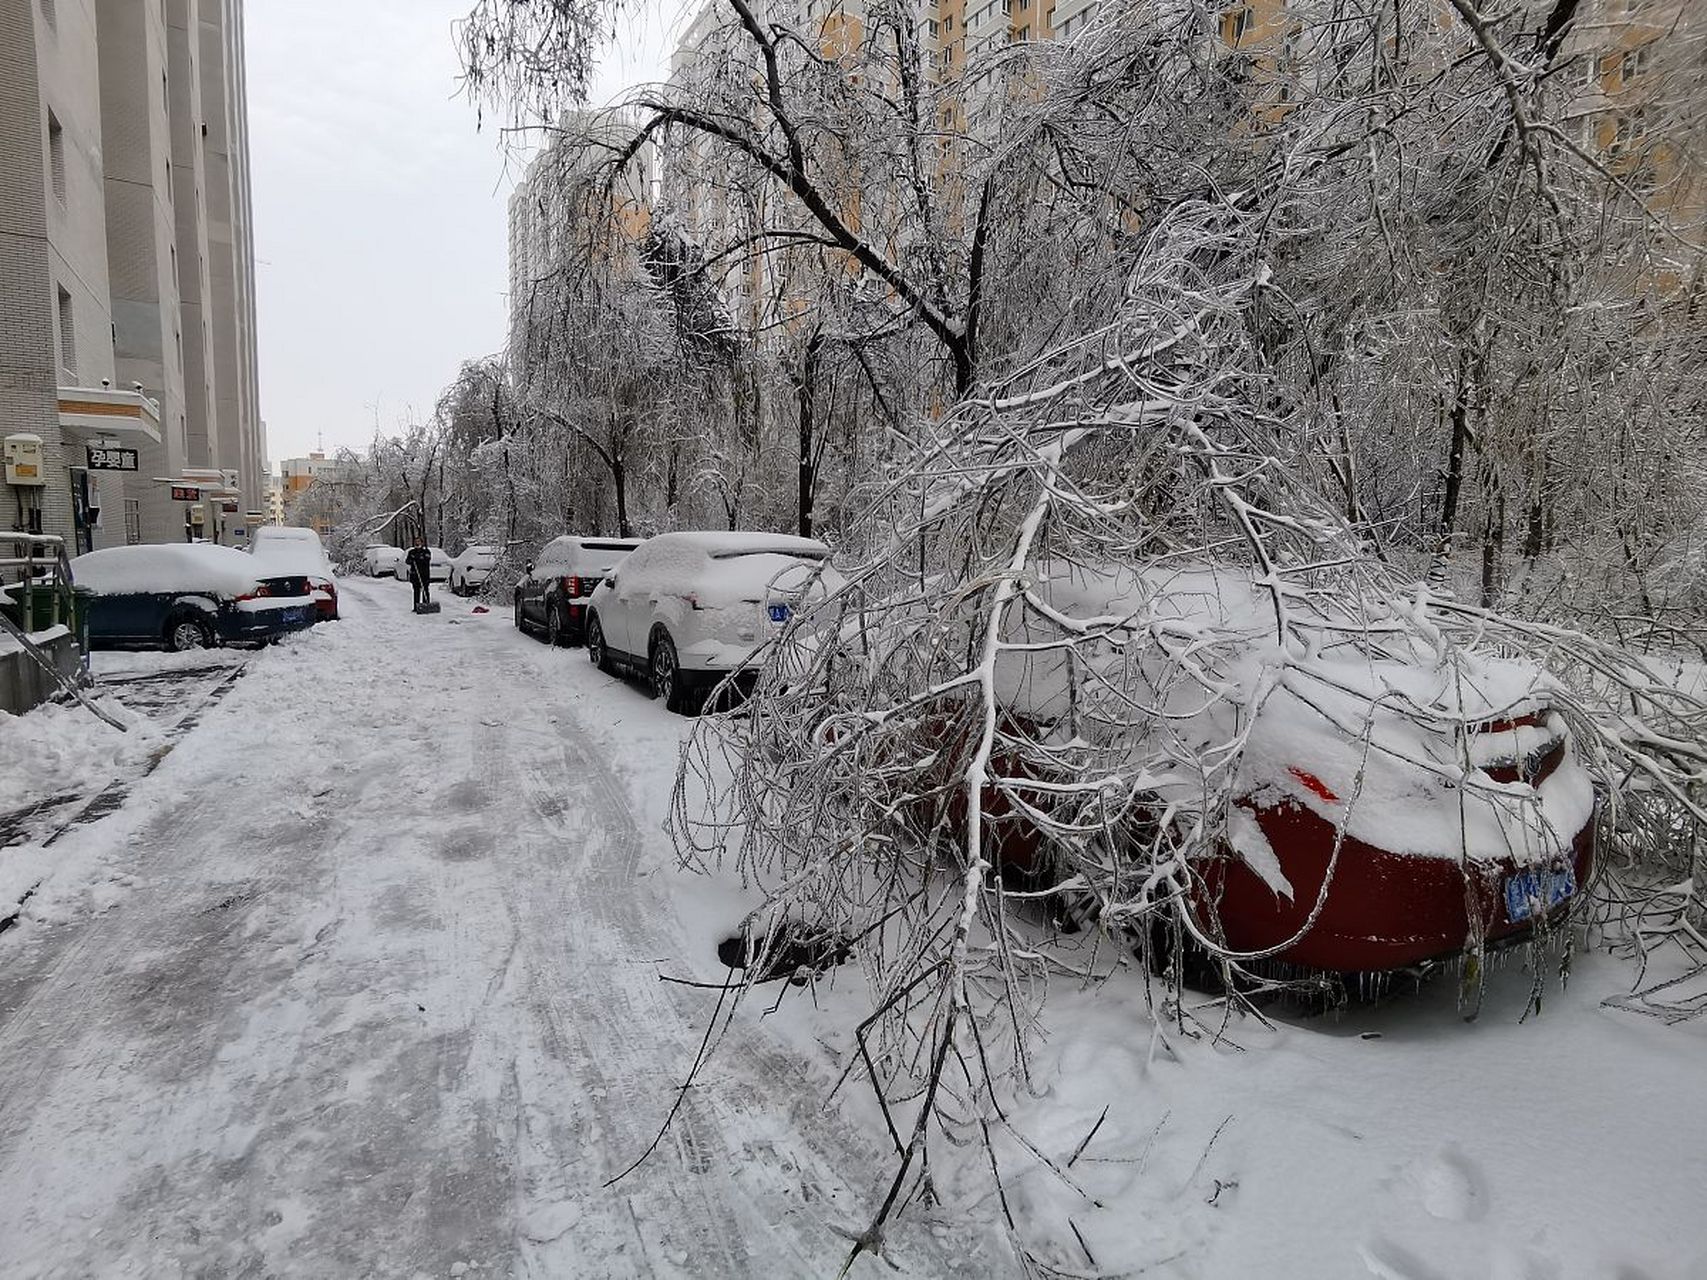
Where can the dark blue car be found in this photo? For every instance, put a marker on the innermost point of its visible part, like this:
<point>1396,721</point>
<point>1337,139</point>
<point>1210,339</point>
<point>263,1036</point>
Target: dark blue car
<point>187,596</point>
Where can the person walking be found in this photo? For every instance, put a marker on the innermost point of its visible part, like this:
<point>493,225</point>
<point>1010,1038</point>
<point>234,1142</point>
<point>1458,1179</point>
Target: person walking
<point>418,561</point>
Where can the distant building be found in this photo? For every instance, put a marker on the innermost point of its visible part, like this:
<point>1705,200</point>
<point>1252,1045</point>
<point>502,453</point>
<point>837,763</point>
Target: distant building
<point>275,505</point>
<point>127,313</point>
<point>296,476</point>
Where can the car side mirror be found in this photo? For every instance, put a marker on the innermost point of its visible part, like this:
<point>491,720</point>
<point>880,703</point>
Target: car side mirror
<point>612,581</point>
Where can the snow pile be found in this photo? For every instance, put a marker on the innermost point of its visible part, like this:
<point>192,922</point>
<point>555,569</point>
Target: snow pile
<point>166,567</point>
<point>58,747</point>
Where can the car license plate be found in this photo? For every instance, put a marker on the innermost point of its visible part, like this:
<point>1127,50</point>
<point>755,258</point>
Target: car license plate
<point>781,613</point>
<point>1538,887</point>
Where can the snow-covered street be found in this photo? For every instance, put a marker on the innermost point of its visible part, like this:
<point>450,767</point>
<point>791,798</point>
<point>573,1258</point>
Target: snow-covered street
<point>364,980</point>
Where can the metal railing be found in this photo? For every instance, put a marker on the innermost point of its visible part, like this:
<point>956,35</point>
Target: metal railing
<point>41,564</point>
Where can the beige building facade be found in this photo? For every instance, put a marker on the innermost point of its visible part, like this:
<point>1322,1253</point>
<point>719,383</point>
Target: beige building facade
<point>127,336</point>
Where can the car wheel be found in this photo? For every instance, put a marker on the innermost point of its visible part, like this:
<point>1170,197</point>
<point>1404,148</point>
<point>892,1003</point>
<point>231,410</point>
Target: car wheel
<point>556,635</point>
<point>597,654</point>
<point>668,684</point>
<point>188,632</point>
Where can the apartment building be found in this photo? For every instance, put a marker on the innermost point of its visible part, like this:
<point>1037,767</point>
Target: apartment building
<point>296,476</point>
<point>127,329</point>
<point>541,207</point>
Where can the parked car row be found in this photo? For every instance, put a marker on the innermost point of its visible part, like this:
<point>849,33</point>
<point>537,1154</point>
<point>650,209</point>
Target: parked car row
<point>1408,877</point>
<point>387,562</point>
<point>682,610</point>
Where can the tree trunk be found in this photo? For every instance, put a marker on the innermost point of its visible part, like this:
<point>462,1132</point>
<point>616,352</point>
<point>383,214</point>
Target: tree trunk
<point>1459,416</point>
<point>805,390</point>
<point>1493,546</point>
<point>619,480</point>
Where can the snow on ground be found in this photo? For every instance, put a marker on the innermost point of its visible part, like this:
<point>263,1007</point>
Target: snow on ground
<point>364,979</point>
<point>58,746</point>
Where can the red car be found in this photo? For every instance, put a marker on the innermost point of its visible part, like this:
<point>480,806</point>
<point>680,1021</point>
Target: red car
<point>1388,801</point>
<point>299,551</point>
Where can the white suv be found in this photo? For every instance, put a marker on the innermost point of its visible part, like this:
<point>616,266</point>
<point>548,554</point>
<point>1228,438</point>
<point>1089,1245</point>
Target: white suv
<point>686,609</point>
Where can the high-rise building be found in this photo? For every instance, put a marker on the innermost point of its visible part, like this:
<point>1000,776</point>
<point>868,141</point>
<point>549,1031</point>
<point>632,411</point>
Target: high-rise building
<point>127,318</point>
<point>543,206</point>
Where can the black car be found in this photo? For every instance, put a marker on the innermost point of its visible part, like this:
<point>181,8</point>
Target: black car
<point>188,596</point>
<point>552,594</point>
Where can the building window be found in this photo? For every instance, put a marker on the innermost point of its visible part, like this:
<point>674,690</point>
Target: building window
<point>1236,23</point>
<point>132,521</point>
<point>56,156</point>
<point>948,23</point>
<point>67,334</point>
<point>1633,64</point>
<point>1007,7</point>
<point>1632,128</point>
<point>931,26</point>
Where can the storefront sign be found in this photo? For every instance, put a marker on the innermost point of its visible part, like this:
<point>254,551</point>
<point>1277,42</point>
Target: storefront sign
<point>186,493</point>
<point>106,458</point>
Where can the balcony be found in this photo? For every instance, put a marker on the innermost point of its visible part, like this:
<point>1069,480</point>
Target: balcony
<point>129,415</point>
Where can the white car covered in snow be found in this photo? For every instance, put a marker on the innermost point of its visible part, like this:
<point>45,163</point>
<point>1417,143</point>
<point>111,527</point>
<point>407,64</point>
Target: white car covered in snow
<point>383,561</point>
<point>471,568</point>
<point>685,610</point>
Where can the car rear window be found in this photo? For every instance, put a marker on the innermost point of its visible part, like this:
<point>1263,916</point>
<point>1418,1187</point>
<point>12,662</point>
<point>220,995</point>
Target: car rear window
<point>608,546</point>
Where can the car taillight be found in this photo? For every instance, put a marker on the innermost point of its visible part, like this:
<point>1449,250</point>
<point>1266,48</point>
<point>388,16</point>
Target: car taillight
<point>572,587</point>
<point>262,590</point>
<point>693,601</point>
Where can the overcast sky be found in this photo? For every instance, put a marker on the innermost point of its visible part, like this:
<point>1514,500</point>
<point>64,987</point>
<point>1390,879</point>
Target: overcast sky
<point>379,209</point>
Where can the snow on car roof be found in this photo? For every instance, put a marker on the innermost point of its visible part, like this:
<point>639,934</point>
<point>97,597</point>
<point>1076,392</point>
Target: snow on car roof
<point>292,555</point>
<point>722,545</point>
<point>167,566</point>
<point>285,533</point>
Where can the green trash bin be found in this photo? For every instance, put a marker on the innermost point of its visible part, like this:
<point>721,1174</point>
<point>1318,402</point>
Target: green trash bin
<point>46,608</point>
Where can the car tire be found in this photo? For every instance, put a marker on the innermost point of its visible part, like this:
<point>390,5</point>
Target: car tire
<point>556,634</point>
<point>597,653</point>
<point>669,684</point>
<point>186,631</point>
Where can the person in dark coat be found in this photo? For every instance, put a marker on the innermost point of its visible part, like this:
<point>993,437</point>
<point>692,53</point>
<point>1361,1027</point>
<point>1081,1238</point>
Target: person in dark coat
<point>418,561</point>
